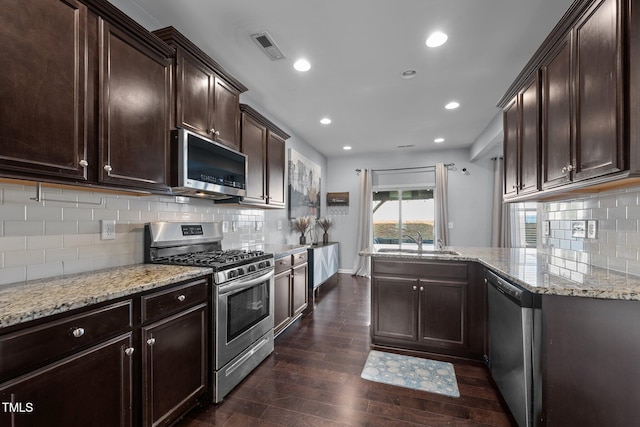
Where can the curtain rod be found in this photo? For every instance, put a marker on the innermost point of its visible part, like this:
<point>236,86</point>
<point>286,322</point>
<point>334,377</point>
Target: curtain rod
<point>447,165</point>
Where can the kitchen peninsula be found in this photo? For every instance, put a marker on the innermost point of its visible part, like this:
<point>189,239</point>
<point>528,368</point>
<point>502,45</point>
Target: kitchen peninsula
<point>589,316</point>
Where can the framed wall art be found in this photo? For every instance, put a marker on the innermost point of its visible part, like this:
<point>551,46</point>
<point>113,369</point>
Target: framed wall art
<point>304,186</point>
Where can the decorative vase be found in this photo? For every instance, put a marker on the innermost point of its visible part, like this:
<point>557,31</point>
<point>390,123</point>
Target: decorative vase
<point>325,238</point>
<point>303,239</point>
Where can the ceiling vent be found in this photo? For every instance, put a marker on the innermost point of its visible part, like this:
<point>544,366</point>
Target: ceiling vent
<point>268,46</point>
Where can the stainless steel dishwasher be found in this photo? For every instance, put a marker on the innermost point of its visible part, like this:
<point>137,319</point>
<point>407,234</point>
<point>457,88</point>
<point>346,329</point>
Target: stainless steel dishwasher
<point>514,348</point>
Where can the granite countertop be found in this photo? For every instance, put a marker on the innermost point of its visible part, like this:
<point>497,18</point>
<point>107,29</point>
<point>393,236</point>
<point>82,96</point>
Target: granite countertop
<point>280,251</point>
<point>25,301</point>
<point>559,272</point>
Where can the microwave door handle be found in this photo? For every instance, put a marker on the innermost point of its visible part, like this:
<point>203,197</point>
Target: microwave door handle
<point>237,287</point>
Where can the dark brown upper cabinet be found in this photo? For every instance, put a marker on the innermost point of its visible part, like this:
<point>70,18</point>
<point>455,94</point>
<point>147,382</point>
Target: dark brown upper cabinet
<point>557,129</point>
<point>207,97</point>
<point>264,144</point>
<point>135,107</point>
<point>521,141</point>
<point>583,93</point>
<point>44,107</point>
<point>86,96</point>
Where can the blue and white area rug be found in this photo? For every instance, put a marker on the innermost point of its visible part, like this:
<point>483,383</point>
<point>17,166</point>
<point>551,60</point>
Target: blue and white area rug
<point>411,372</point>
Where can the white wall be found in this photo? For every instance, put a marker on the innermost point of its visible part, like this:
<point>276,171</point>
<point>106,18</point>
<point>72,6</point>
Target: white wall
<point>469,196</point>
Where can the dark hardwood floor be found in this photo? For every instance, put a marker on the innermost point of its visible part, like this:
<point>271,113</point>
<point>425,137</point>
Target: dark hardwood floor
<point>313,378</point>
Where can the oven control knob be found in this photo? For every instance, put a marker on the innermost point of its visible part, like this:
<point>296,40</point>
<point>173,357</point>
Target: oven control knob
<point>240,271</point>
<point>232,274</point>
<point>261,265</point>
<point>252,268</point>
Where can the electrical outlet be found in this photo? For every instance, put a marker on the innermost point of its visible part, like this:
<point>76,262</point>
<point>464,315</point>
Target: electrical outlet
<point>225,226</point>
<point>234,226</point>
<point>279,224</point>
<point>107,229</point>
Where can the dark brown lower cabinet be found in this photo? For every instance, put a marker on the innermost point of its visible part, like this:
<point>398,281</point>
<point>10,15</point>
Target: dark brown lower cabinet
<point>427,306</point>
<point>590,354</point>
<point>90,388</point>
<point>175,365</point>
<point>290,289</point>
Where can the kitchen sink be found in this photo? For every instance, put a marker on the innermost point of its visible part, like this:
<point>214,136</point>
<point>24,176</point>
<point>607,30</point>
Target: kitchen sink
<point>426,252</point>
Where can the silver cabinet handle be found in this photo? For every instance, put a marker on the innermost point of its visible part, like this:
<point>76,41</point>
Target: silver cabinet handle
<point>78,332</point>
<point>151,341</point>
<point>129,351</point>
<point>181,298</point>
<point>83,163</point>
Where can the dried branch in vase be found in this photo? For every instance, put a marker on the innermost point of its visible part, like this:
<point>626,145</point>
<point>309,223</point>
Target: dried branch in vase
<point>325,223</point>
<point>302,223</point>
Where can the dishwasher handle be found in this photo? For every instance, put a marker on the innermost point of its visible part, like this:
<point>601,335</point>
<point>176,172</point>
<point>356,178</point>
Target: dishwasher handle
<point>521,296</point>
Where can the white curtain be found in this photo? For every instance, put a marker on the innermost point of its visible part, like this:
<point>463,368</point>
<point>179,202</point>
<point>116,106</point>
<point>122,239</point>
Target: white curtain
<point>501,215</point>
<point>362,264</point>
<point>442,201</point>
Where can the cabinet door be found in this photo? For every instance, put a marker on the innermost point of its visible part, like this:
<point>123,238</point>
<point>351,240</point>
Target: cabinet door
<point>598,82</point>
<point>276,163</point>
<point>511,157</point>
<point>395,308</point>
<point>134,111</point>
<point>529,162</point>
<point>556,115</point>
<point>43,89</point>
<point>254,145</point>
<point>90,388</point>
<point>299,296</point>
<point>281,301</point>
<point>175,354</point>
<point>226,114</point>
<point>443,309</point>
<point>194,93</point>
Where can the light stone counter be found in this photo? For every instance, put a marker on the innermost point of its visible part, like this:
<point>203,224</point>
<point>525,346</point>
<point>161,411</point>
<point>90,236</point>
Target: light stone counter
<point>35,299</point>
<point>559,272</point>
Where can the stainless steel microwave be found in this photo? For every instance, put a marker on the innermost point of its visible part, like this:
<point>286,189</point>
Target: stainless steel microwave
<point>204,168</point>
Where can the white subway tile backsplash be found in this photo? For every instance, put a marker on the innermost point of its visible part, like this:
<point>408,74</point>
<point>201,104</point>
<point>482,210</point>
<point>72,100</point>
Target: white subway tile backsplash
<point>41,271</point>
<point>14,259</point>
<point>617,242</point>
<point>23,228</point>
<point>45,239</point>
<point>13,212</point>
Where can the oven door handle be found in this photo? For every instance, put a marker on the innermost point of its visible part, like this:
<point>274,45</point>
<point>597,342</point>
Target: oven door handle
<point>242,285</point>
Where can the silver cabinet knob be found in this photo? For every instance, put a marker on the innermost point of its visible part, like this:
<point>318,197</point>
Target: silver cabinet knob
<point>181,298</point>
<point>151,341</point>
<point>83,163</point>
<point>78,332</point>
<point>570,168</point>
<point>421,288</point>
<point>415,288</point>
<point>108,168</point>
<point>564,170</point>
<point>129,351</point>
<point>214,132</point>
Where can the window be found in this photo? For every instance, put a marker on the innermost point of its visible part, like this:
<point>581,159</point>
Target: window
<point>524,225</point>
<point>402,212</point>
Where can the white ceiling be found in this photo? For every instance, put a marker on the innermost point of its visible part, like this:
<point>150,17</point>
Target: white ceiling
<point>357,49</point>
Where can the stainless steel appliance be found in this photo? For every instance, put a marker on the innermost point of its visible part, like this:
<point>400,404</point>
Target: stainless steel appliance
<point>515,348</point>
<point>204,168</point>
<point>242,295</point>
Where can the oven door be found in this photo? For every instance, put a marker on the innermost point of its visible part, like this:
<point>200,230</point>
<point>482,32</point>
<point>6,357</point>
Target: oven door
<point>244,314</point>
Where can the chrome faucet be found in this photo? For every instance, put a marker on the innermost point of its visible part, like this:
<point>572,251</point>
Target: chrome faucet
<point>440,244</point>
<point>417,241</point>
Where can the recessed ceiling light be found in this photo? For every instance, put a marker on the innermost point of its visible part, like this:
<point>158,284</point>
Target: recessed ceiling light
<point>302,65</point>
<point>437,38</point>
<point>438,140</point>
<point>452,105</point>
<point>325,121</point>
<point>408,74</point>
<point>346,147</point>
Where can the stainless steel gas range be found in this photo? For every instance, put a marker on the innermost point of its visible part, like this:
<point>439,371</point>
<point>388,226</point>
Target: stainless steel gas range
<point>242,295</point>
